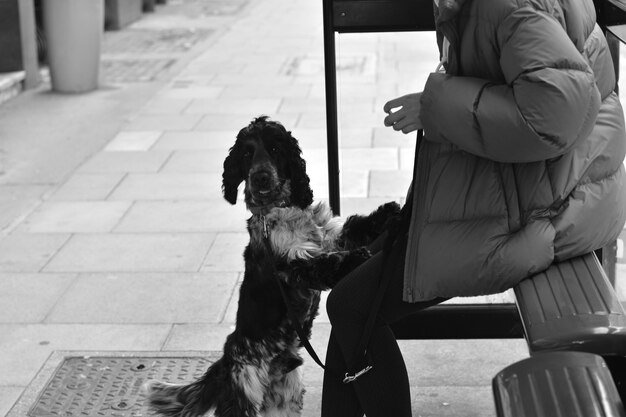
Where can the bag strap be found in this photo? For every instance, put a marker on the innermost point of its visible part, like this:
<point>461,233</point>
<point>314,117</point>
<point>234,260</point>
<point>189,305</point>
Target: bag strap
<point>361,357</point>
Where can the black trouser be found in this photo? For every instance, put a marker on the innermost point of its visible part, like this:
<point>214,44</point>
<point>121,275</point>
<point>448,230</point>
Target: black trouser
<point>384,391</point>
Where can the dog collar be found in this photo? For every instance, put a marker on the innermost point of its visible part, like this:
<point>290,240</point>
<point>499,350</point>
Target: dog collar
<point>263,211</point>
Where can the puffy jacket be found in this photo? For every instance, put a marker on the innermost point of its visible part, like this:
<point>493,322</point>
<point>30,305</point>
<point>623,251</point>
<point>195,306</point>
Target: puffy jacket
<point>521,162</point>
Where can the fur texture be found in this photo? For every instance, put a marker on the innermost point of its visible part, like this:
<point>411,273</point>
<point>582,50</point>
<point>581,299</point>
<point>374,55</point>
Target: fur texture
<point>291,240</point>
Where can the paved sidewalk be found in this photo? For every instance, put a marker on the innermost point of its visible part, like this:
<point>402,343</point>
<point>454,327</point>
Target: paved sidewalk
<point>113,232</point>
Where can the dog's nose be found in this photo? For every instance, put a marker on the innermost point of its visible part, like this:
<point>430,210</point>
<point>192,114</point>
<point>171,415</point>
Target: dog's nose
<point>261,180</point>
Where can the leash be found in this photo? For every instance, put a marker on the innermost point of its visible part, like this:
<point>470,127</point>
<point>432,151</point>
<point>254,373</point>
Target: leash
<point>362,359</point>
<point>304,340</point>
<point>362,362</point>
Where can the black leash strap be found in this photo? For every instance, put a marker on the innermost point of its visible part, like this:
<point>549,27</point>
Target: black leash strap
<point>362,362</point>
<point>296,324</point>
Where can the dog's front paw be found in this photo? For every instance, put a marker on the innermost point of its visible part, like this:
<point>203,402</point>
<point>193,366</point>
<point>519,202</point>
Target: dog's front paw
<point>353,259</point>
<point>383,214</point>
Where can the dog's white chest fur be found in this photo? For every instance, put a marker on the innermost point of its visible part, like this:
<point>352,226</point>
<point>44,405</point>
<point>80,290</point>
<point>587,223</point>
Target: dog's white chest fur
<point>298,233</point>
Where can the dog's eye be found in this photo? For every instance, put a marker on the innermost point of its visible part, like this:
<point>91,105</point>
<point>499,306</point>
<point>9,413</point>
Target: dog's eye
<point>274,149</point>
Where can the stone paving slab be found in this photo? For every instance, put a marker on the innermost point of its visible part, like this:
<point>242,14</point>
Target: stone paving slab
<point>127,252</point>
<point>168,186</point>
<point>184,216</point>
<point>389,184</point>
<point>29,253</point>
<point>197,140</point>
<point>198,336</point>
<point>28,298</point>
<point>17,200</point>
<point>133,141</point>
<point>353,184</point>
<point>165,122</point>
<point>316,138</point>
<point>8,397</point>
<point>195,161</point>
<point>163,297</point>
<point>125,161</point>
<point>184,91</point>
<point>226,254</point>
<point>26,347</point>
<point>166,106</point>
<point>234,122</point>
<point>266,91</point>
<point>371,159</point>
<point>75,217</point>
<point>245,107</point>
<point>88,187</point>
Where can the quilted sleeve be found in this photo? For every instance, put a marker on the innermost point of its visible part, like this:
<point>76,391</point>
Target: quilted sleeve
<point>548,101</point>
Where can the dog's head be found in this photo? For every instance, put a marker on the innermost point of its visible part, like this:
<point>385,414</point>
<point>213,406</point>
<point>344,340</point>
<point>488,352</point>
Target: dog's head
<point>268,159</point>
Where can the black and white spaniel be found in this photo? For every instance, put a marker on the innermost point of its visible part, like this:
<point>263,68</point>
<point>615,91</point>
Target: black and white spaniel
<point>292,240</point>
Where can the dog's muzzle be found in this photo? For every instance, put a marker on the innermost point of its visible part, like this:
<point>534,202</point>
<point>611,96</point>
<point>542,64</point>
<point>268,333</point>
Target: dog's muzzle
<point>262,181</point>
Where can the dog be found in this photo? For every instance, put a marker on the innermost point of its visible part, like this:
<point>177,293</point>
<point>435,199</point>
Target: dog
<point>294,243</point>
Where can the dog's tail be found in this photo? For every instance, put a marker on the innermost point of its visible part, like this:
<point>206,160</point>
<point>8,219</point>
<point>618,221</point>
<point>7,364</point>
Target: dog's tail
<point>188,400</point>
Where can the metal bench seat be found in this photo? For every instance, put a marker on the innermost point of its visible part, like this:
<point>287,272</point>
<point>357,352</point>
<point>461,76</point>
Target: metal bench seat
<point>572,306</point>
<point>572,384</point>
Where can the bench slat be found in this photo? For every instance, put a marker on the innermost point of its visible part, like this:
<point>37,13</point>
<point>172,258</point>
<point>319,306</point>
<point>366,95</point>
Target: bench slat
<point>572,306</point>
<point>575,289</point>
<point>567,384</point>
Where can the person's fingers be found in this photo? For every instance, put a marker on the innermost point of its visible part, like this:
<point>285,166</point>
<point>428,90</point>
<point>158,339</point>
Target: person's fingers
<point>402,123</point>
<point>410,128</point>
<point>392,104</point>
<point>394,118</point>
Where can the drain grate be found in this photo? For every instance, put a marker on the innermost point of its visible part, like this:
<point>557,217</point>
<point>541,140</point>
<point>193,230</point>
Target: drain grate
<point>134,70</point>
<point>111,386</point>
<point>140,55</point>
<point>158,41</point>
<point>204,8</point>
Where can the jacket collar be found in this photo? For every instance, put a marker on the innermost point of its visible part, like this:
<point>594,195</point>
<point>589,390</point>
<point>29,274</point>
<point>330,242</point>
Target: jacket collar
<point>446,10</point>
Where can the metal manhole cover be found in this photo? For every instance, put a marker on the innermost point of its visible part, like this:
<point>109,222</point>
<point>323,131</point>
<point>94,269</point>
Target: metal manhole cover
<point>134,70</point>
<point>203,8</point>
<point>111,386</point>
<point>158,41</point>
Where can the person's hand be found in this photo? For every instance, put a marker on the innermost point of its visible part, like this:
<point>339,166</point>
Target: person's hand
<point>403,113</point>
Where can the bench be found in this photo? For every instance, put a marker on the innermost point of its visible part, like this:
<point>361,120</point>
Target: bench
<point>572,384</point>
<point>573,321</point>
<point>572,306</point>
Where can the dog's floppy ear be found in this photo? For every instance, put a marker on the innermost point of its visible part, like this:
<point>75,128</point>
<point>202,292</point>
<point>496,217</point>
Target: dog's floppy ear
<point>301,193</point>
<point>232,175</point>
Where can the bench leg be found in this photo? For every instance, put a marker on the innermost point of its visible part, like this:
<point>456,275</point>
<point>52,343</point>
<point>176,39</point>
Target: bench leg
<point>617,366</point>
<point>608,258</point>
